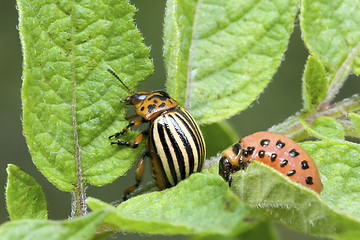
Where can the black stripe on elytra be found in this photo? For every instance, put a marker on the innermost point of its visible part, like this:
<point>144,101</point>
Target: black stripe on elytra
<point>192,138</point>
<point>152,143</point>
<point>161,131</point>
<point>185,141</point>
<point>199,148</point>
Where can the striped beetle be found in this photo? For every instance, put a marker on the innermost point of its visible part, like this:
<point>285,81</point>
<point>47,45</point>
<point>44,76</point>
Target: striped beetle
<point>175,144</point>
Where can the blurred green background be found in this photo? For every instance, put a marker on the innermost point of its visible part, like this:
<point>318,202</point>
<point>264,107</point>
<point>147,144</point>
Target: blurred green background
<point>281,99</point>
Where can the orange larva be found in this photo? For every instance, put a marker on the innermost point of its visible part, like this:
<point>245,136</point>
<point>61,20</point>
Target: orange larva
<point>275,150</point>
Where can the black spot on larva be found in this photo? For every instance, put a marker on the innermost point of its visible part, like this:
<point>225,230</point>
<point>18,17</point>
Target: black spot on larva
<point>264,142</point>
<point>244,153</point>
<point>304,165</point>
<point>142,108</point>
<point>155,101</point>
<point>151,107</point>
<point>250,150</point>
<point>261,153</point>
<point>291,172</point>
<point>283,163</point>
<point>236,148</point>
<point>273,157</point>
<point>309,180</point>
<point>280,144</point>
<point>293,153</point>
<point>162,105</point>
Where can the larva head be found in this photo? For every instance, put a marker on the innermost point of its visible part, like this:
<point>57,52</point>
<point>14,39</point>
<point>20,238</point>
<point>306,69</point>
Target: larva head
<point>230,161</point>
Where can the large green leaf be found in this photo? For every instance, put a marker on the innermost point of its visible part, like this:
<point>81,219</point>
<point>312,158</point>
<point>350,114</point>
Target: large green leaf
<point>331,30</point>
<point>81,228</point>
<point>335,214</point>
<point>220,55</point>
<point>24,196</point>
<point>263,231</point>
<point>201,204</point>
<point>339,163</point>
<point>71,104</point>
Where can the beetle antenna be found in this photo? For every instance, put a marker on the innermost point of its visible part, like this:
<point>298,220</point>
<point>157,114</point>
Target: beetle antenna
<point>117,77</point>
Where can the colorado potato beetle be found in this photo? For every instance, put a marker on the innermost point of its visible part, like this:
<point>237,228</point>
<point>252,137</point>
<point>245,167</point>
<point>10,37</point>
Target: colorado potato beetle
<point>174,144</point>
<point>275,150</point>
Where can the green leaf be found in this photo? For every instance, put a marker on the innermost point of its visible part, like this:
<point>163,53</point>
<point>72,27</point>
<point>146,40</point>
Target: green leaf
<point>331,30</point>
<point>339,164</point>
<point>220,55</point>
<point>24,196</point>
<point>355,118</point>
<point>314,85</point>
<point>81,228</point>
<point>325,128</point>
<point>201,204</point>
<point>71,104</point>
<point>263,231</point>
<point>213,132</point>
<point>292,204</point>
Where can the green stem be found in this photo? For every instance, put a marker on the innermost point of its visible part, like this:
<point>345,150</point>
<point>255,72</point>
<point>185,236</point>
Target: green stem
<point>293,128</point>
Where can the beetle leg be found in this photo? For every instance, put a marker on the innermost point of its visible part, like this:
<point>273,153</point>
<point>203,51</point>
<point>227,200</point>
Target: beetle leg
<point>131,124</point>
<point>138,177</point>
<point>135,143</point>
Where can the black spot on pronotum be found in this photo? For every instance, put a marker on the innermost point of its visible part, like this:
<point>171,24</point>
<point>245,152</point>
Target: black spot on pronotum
<point>293,153</point>
<point>273,157</point>
<point>151,107</point>
<point>162,105</point>
<point>155,101</point>
<point>261,153</point>
<point>280,144</point>
<point>291,172</point>
<point>304,165</point>
<point>236,148</point>
<point>309,180</point>
<point>142,108</point>
<point>264,142</point>
<point>283,163</point>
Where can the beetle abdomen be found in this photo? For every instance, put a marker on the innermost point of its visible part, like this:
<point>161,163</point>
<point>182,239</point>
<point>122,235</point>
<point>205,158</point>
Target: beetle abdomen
<point>176,140</point>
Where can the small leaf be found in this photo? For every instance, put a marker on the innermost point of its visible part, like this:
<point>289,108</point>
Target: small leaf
<point>81,228</point>
<point>220,55</point>
<point>201,204</point>
<point>71,104</point>
<point>213,132</point>
<point>355,118</point>
<point>325,128</point>
<point>314,85</point>
<point>292,204</point>
<point>24,196</point>
<point>331,30</point>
